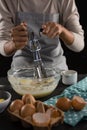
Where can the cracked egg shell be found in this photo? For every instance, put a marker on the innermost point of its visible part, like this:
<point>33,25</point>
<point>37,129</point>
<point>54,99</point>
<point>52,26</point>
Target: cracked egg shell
<point>41,119</point>
<point>78,103</point>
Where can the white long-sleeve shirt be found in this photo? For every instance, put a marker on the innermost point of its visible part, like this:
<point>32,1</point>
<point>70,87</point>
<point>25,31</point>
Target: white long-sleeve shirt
<point>67,9</point>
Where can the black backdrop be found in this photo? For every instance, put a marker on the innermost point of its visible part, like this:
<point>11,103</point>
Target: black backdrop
<point>76,61</point>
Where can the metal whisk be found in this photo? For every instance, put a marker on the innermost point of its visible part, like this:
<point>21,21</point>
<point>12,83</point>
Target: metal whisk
<point>35,48</point>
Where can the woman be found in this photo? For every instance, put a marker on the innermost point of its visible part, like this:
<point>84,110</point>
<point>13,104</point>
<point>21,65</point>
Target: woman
<point>59,19</point>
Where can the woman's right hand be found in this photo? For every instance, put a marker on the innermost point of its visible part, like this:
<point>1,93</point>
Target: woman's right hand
<point>19,36</point>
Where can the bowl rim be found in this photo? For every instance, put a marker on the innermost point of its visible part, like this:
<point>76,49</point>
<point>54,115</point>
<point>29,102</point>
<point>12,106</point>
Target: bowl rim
<point>9,96</point>
<point>11,71</point>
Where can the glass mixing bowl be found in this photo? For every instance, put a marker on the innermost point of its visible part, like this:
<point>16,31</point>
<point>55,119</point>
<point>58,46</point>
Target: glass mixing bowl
<point>23,81</point>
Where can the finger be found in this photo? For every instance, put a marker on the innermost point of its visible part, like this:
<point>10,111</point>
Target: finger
<point>20,46</point>
<point>19,33</point>
<point>46,29</point>
<point>24,23</point>
<point>53,31</point>
<point>20,28</point>
<point>20,39</point>
<point>50,29</point>
<point>43,26</point>
<point>55,34</point>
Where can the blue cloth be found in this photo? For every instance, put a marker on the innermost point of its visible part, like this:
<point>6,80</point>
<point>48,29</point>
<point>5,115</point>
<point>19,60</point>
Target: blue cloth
<point>72,117</point>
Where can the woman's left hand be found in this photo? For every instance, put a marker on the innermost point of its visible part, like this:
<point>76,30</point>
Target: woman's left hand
<point>52,29</point>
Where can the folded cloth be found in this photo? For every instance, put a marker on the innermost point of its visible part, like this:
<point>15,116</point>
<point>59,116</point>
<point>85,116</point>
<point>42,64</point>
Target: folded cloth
<point>72,117</point>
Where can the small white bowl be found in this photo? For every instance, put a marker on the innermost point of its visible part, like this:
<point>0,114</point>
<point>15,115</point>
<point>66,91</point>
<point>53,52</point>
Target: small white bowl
<point>69,77</point>
<point>7,97</point>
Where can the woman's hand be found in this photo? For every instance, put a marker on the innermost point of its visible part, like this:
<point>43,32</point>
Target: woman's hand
<point>20,36</point>
<point>52,29</point>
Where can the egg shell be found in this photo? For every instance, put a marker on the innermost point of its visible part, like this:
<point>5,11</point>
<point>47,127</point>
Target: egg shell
<point>41,119</point>
<point>78,103</point>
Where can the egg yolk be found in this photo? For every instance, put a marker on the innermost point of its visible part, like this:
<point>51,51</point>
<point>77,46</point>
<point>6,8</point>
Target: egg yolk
<point>1,100</point>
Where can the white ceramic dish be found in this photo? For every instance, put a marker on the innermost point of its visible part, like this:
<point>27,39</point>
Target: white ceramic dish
<point>6,97</point>
<point>69,77</point>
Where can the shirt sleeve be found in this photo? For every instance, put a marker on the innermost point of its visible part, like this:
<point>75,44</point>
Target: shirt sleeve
<point>71,20</point>
<point>6,23</point>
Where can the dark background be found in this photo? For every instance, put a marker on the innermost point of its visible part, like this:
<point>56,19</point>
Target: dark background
<point>76,61</point>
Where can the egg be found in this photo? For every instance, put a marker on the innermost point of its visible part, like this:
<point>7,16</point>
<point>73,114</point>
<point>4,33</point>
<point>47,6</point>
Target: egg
<point>63,103</point>
<point>27,110</point>
<point>16,105</point>
<point>78,103</point>
<point>2,99</point>
<point>28,98</point>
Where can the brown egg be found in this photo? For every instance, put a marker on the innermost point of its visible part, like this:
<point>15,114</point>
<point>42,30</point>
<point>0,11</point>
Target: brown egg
<point>27,110</point>
<point>16,105</point>
<point>78,103</point>
<point>63,103</point>
<point>28,98</point>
